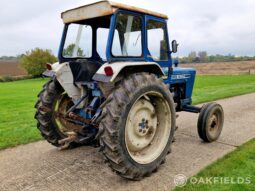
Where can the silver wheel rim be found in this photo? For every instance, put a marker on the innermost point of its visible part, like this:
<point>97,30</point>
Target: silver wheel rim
<point>215,124</point>
<point>60,106</point>
<point>148,127</point>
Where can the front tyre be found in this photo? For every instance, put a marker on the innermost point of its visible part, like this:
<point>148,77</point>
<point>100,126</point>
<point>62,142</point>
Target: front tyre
<point>210,122</point>
<point>138,124</point>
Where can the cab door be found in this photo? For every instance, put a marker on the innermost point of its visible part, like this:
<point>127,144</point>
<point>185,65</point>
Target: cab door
<point>157,44</point>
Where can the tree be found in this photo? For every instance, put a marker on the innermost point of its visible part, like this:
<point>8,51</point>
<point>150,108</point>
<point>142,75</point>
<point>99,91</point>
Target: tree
<point>192,56</point>
<point>34,61</point>
<point>68,51</point>
<point>203,56</point>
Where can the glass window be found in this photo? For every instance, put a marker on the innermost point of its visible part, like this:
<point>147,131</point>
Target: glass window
<point>102,37</point>
<point>127,39</point>
<point>157,43</point>
<point>78,42</point>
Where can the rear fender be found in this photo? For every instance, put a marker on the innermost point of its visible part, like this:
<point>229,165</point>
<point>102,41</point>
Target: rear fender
<point>49,73</point>
<point>64,76</point>
<point>120,68</point>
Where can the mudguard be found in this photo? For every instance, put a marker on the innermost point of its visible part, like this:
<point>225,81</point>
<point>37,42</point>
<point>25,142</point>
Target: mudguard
<point>119,67</point>
<point>49,73</point>
<point>64,75</point>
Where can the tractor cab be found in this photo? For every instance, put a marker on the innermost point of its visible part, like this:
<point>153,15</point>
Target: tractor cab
<point>111,32</point>
<point>108,32</point>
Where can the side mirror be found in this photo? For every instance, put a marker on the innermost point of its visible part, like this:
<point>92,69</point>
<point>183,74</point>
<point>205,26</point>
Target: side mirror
<point>174,46</point>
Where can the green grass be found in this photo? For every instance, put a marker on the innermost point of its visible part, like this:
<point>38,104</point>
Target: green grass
<point>17,124</point>
<point>239,163</point>
<point>209,88</point>
<point>17,99</point>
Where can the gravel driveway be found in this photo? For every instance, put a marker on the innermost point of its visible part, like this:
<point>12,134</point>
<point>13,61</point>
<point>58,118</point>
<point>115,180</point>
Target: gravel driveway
<point>39,166</point>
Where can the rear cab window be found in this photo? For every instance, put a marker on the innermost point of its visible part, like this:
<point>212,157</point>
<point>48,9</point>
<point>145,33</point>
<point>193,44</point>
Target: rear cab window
<point>127,39</point>
<point>78,42</point>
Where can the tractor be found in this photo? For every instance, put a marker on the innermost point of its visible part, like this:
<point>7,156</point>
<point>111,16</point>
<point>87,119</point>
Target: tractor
<point>115,86</point>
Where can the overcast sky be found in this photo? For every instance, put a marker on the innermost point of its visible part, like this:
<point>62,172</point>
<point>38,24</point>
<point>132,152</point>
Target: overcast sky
<point>219,27</point>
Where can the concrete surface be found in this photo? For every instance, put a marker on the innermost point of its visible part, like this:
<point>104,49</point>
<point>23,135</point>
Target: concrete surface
<point>40,166</point>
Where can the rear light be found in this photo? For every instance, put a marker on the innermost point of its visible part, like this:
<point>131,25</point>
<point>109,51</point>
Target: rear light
<point>108,71</point>
<point>48,66</point>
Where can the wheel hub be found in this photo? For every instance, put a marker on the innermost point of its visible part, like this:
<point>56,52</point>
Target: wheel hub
<point>213,123</point>
<point>147,128</point>
<point>142,124</point>
<point>62,104</point>
<point>143,127</point>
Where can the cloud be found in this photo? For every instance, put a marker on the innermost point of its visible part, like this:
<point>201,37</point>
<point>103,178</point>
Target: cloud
<point>215,26</point>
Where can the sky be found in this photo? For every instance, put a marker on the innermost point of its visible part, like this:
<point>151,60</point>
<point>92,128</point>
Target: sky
<point>216,26</point>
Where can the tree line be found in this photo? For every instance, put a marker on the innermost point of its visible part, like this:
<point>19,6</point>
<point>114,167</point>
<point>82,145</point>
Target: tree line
<point>203,57</point>
<point>6,58</point>
<point>35,60</point>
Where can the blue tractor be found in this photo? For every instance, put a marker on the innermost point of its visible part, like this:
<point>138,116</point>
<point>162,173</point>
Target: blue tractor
<point>115,87</point>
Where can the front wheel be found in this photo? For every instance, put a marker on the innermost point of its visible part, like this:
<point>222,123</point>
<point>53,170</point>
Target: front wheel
<point>138,124</point>
<point>210,122</point>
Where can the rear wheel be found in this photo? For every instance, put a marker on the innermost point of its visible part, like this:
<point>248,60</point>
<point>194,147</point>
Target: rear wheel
<point>138,126</point>
<point>53,100</point>
<point>210,122</point>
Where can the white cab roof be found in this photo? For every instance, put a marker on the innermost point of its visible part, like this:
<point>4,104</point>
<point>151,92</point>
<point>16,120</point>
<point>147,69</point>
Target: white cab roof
<point>102,8</point>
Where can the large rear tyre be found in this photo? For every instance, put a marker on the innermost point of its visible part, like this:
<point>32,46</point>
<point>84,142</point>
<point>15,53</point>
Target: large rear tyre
<point>138,126</point>
<point>210,122</point>
<point>53,99</point>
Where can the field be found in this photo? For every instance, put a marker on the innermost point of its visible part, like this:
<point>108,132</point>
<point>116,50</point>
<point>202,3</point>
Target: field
<point>223,68</point>
<point>17,99</point>
<point>17,124</point>
<point>11,68</point>
<point>209,88</point>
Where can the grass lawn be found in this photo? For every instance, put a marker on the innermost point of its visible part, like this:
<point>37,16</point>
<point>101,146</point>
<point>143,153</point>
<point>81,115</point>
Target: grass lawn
<point>209,88</point>
<point>239,166</point>
<point>17,124</point>
<point>17,99</point>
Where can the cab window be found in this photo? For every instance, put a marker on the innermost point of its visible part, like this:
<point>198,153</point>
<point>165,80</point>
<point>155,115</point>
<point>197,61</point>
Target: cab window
<point>157,43</point>
<point>127,40</point>
<point>78,42</point>
<point>102,37</point>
